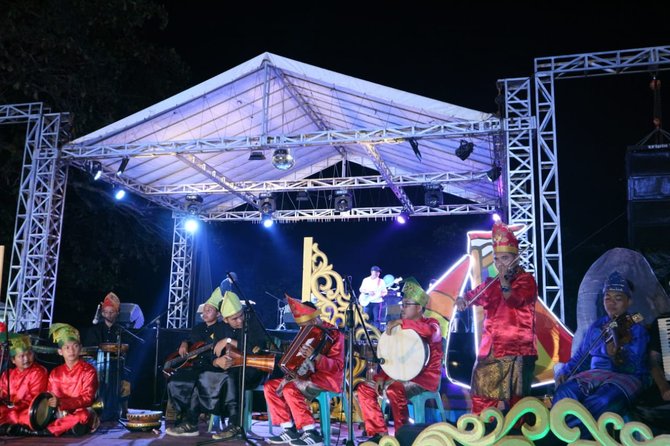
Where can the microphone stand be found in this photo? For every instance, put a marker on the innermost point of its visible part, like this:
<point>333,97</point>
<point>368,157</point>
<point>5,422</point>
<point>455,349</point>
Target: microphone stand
<point>351,324</point>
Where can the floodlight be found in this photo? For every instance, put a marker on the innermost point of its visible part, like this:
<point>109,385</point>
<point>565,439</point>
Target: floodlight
<point>282,159</point>
<point>122,166</point>
<point>464,149</point>
<point>191,224</point>
<point>403,217</point>
<point>494,173</point>
<point>193,203</point>
<point>342,201</point>
<point>95,169</point>
<point>496,217</point>
<point>119,193</point>
<point>267,221</point>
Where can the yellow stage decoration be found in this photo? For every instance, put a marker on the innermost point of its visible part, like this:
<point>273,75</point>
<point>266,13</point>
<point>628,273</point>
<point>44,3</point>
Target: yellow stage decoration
<point>470,429</point>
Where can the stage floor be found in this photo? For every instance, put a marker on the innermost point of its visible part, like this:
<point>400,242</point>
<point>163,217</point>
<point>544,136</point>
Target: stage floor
<point>112,434</point>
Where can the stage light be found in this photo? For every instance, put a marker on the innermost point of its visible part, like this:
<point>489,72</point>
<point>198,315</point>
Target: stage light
<point>433,197</point>
<point>282,159</point>
<point>343,201</point>
<point>193,203</point>
<point>122,166</point>
<point>302,196</point>
<point>256,155</point>
<point>267,220</point>
<point>119,193</point>
<point>464,149</point>
<point>496,217</point>
<point>403,217</point>
<point>95,169</point>
<point>415,147</point>
<point>191,224</point>
<point>494,173</point>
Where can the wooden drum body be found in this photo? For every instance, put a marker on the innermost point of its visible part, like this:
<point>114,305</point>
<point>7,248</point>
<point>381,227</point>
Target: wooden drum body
<point>404,354</point>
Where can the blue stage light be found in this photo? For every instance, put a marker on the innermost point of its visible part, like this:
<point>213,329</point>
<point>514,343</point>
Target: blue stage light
<point>119,194</point>
<point>191,224</point>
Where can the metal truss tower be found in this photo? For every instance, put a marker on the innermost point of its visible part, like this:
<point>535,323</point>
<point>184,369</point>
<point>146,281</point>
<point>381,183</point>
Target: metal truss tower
<point>180,275</point>
<point>39,216</point>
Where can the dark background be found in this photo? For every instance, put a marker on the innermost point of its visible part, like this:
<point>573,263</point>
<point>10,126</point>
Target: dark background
<point>104,60</point>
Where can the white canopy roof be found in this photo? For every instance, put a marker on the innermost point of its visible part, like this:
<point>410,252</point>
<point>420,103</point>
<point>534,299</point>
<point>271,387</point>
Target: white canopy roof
<point>199,141</point>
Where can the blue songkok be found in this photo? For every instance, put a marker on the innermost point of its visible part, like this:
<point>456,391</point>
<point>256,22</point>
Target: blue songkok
<point>616,282</point>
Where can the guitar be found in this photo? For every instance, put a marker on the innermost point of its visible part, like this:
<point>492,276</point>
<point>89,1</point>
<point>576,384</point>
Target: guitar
<point>175,362</point>
<point>374,298</point>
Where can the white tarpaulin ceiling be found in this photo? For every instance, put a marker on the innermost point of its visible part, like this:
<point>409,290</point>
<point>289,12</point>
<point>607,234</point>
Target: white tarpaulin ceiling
<point>199,141</point>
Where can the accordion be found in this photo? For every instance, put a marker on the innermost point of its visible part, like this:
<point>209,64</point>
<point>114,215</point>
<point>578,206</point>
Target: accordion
<point>294,363</point>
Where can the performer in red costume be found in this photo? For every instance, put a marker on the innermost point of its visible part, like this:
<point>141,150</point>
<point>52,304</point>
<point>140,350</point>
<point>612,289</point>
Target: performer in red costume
<point>73,385</point>
<point>288,398</point>
<point>507,352</point>
<point>27,379</point>
<point>398,392</point>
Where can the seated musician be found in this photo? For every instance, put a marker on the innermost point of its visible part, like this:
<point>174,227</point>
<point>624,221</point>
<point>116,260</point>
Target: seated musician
<point>234,319</point>
<point>194,390</point>
<point>505,362</point>
<point>108,331</point>
<point>73,386</point>
<point>617,369</point>
<point>27,379</point>
<point>288,398</point>
<point>412,318</point>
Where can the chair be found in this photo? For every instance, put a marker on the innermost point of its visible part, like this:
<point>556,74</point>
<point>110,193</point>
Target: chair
<point>324,412</point>
<point>215,420</point>
<point>417,406</point>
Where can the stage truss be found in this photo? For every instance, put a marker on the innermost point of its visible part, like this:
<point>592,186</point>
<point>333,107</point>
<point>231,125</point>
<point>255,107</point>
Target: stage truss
<point>524,141</point>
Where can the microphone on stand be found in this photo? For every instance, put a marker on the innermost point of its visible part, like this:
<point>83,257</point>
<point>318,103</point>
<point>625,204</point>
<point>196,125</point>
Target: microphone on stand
<point>96,318</point>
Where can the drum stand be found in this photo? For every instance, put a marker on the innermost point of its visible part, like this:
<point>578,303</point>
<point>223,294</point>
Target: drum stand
<point>351,325</point>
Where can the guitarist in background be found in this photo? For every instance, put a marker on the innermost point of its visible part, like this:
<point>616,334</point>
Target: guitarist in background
<point>194,390</point>
<point>373,290</point>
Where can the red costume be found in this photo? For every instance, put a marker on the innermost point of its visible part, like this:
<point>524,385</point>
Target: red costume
<point>507,351</point>
<point>25,386</point>
<point>428,379</point>
<point>289,403</point>
<point>75,389</point>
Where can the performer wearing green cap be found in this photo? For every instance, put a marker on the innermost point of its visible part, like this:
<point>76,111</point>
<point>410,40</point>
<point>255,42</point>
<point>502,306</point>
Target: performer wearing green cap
<point>194,390</point>
<point>414,301</point>
<point>27,379</point>
<point>225,349</point>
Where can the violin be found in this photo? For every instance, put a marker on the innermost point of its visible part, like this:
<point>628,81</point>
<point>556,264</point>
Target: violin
<point>619,333</point>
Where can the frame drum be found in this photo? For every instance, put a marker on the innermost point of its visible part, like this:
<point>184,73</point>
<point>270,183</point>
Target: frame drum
<point>41,414</point>
<point>404,353</point>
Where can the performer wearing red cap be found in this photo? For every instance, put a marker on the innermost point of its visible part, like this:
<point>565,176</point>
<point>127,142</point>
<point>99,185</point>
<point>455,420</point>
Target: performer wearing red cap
<point>288,399</point>
<point>507,353</point>
<point>27,379</point>
<point>105,329</point>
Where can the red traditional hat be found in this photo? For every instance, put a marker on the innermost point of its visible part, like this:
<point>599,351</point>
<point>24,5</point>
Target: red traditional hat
<point>504,239</point>
<point>301,313</point>
<point>111,300</point>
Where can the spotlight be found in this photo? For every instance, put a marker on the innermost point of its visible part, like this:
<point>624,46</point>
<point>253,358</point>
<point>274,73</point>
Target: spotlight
<point>95,169</point>
<point>268,203</point>
<point>282,159</point>
<point>465,149</point>
<point>496,217</point>
<point>193,203</point>
<point>119,194</point>
<point>343,202</point>
<point>122,166</point>
<point>494,173</point>
<point>403,217</point>
<point>267,220</point>
<point>433,195</point>
<point>256,155</point>
<point>191,224</point>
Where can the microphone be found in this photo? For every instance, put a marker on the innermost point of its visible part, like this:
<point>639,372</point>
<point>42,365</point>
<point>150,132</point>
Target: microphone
<point>257,350</point>
<point>96,318</point>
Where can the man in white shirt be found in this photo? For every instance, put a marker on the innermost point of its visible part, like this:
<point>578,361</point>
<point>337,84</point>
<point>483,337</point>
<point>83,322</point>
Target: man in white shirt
<point>373,290</point>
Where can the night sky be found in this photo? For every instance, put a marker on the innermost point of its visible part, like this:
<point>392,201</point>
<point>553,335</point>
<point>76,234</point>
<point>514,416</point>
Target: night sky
<point>453,53</point>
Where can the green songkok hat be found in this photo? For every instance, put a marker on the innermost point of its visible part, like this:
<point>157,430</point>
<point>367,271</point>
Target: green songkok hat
<point>230,305</point>
<point>19,343</point>
<point>412,290</point>
<point>62,333</point>
<point>215,299</point>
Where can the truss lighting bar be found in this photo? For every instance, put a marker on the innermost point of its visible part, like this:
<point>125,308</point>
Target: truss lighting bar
<point>326,137</point>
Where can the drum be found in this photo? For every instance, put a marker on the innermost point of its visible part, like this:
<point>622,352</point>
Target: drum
<point>113,347</point>
<point>404,353</point>
<point>144,416</point>
<point>40,413</point>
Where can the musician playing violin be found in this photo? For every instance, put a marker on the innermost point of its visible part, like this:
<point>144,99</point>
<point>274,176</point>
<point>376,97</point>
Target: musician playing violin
<point>194,390</point>
<point>27,379</point>
<point>413,303</point>
<point>618,367</point>
<point>503,371</point>
<point>225,346</point>
<point>288,399</point>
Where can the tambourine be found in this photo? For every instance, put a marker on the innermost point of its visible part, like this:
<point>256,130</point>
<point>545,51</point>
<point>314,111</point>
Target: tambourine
<point>40,413</point>
<point>112,347</point>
